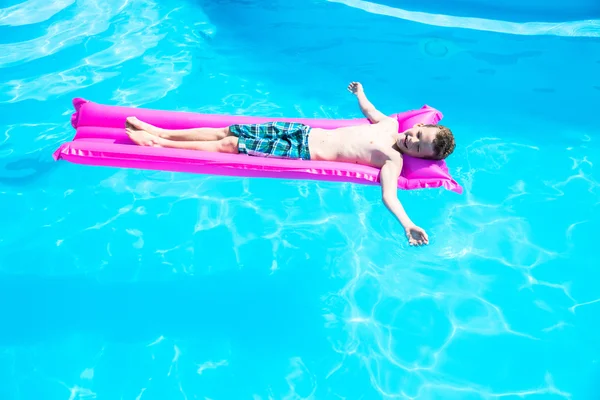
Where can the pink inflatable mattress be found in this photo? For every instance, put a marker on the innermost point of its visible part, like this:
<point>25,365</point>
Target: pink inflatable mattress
<point>100,139</point>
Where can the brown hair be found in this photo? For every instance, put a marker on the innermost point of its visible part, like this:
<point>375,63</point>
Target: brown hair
<point>443,144</point>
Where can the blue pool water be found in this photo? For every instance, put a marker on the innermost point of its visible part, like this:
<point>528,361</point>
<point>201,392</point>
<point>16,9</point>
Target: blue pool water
<point>129,284</point>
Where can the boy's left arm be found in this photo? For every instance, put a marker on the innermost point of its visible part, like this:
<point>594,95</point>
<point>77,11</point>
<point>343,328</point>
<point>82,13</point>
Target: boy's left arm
<point>390,172</point>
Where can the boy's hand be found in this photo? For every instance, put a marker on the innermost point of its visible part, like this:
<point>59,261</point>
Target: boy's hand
<point>355,88</point>
<point>416,235</point>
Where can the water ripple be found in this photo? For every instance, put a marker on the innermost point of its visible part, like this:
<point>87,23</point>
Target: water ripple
<point>32,12</point>
<point>92,17</point>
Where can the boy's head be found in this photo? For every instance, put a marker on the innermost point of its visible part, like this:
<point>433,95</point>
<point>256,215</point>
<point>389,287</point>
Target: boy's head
<point>433,142</point>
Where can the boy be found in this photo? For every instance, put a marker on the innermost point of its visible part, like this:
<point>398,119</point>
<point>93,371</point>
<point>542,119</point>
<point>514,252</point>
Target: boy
<point>377,144</point>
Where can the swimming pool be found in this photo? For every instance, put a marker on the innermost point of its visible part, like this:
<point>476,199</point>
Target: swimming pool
<point>152,285</point>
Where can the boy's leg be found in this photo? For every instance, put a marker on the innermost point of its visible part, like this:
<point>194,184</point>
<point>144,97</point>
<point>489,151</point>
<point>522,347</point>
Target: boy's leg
<point>225,145</point>
<point>193,134</point>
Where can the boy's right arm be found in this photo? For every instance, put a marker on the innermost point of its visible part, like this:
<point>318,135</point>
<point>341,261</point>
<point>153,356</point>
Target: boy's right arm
<point>367,108</point>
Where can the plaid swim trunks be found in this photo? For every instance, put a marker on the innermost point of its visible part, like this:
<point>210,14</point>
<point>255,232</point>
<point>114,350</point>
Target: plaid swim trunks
<point>273,139</point>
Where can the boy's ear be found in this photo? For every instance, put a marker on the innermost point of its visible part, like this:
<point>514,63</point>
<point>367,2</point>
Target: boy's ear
<point>419,124</point>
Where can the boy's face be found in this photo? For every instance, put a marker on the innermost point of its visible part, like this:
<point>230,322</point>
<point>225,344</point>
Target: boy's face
<point>418,141</point>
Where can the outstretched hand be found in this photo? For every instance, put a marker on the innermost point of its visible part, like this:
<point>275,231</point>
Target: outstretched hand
<point>416,236</point>
<point>355,87</point>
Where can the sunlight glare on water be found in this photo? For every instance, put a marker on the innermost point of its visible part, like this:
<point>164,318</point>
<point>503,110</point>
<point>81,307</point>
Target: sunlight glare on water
<point>131,284</point>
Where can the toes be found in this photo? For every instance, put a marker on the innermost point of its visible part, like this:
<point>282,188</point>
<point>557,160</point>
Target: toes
<point>130,122</point>
<point>133,122</point>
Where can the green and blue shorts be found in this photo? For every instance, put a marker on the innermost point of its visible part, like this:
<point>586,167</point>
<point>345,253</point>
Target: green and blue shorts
<point>273,139</point>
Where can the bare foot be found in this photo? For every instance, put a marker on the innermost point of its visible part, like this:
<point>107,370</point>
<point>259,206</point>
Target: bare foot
<point>142,138</point>
<point>137,125</point>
